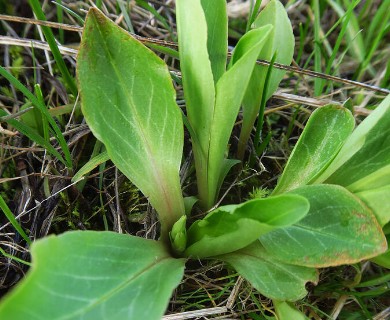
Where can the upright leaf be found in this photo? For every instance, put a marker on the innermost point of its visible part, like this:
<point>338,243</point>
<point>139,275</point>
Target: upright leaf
<point>198,81</point>
<point>320,141</point>
<point>229,94</point>
<point>217,31</point>
<point>366,151</point>
<point>129,103</point>
<point>339,229</point>
<point>272,278</point>
<point>233,227</point>
<point>281,43</point>
<point>95,275</point>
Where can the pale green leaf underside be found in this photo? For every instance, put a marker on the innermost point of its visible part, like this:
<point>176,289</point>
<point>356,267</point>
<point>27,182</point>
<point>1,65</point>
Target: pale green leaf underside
<point>274,279</point>
<point>233,227</point>
<point>339,229</point>
<point>95,275</point>
<point>129,103</point>
<point>366,150</point>
<point>320,141</point>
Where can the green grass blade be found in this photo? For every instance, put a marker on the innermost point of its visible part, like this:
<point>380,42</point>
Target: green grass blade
<point>126,16</point>
<point>60,19</point>
<point>42,108</point>
<point>344,27</point>
<point>36,6</point>
<point>144,4</point>
<point>357,47</point>
<point>90,165</point>
<point>34,136</point>
<point>318,83</point>
<point>11,218</point>
<point>254,10</point>
<point>280,43</point>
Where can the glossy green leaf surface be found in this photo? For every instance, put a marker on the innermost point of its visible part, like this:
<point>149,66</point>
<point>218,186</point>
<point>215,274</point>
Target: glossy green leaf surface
<point>366,151</point>
<point>272,278</point>
<point>339,229</point>
<point>129,103</point>
<point>280,42</point>
<point>320,141</point>
<point>378,201</point>
<point>95,275</point>
<point>233,227</point>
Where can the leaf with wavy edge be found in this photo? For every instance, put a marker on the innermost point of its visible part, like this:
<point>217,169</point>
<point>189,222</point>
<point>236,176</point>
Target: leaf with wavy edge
<point>95,275</point>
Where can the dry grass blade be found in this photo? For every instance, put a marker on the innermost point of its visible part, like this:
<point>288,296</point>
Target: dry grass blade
<point>175,46</point>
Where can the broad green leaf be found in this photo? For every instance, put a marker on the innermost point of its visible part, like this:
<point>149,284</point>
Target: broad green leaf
<point>378,201</point>
<point>286,311</point>
<point>339,229</point>
<point>320,141</point>
<point>272,278</point>
<point>281,43</point>
<point>217,31</point>
<point>366,150</point>
<point>229,93</point>
<point>95,275</point>
<point>232,227</point>
<point>129,103</point>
